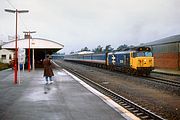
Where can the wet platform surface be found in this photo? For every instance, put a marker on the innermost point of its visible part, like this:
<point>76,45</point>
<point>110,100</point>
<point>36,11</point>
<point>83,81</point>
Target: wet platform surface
<point>66,99</point>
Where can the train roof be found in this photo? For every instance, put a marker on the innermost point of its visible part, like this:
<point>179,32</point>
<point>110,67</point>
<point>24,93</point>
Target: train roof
<point>85,52</point>
<point>120,52</point>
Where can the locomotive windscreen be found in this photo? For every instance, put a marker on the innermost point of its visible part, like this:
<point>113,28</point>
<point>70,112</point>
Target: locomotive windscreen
<point>143,49</point>
<point>142,52</point>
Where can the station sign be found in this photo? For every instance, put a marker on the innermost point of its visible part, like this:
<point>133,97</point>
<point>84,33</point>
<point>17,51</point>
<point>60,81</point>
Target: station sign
<point>21,56</point>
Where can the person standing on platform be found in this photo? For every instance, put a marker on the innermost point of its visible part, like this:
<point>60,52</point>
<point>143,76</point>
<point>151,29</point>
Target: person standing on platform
<point>48,72</point>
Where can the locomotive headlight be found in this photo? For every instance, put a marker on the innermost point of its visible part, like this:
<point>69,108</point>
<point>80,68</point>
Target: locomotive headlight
<point>144,60</point>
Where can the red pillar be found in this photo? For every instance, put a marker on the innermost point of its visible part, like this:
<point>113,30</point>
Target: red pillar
<point>15,64</point>
<point>29,54</point>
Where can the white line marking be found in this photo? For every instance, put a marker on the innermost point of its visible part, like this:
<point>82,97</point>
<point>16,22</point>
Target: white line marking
<point>125,113</point>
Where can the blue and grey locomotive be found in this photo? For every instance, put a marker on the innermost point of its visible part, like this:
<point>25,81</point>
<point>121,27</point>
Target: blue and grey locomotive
<point>136,61</point>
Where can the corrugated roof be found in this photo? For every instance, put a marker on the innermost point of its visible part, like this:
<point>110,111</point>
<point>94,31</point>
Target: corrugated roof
<point>171,39</point>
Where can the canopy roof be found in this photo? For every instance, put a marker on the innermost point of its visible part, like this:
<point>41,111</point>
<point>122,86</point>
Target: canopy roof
<point>35,43</point>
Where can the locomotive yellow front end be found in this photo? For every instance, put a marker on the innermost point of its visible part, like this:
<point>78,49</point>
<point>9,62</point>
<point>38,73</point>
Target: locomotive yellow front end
<point>145,62</point>
<point>142,61</point>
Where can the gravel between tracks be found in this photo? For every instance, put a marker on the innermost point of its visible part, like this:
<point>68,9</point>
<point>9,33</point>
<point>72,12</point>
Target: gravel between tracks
<point>160,99</point>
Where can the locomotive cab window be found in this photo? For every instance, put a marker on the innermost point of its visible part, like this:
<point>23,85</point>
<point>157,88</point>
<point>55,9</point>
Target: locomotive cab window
<point>142,54</point>
<point>148,54</point>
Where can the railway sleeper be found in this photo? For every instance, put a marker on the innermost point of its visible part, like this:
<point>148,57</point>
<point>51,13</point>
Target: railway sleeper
<point>115,99</point>
<point>139,114</point>
<point>118,101</point>
<point>144,117</point>
<point>121,102</point>
<point>124,104</point>
<point>135,111</point>
<point>131,109</point>
<point>127,106</point>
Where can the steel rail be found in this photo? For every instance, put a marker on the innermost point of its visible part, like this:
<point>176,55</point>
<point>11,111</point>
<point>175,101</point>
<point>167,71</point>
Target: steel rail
<point>164,81</point>
<point>137,110</point>
<point>160,80</point>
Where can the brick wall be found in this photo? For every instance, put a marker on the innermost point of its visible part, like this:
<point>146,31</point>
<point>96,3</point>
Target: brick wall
<point>166,60</point>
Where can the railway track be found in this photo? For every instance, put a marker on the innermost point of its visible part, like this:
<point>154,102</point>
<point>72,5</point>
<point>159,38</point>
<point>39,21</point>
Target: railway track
<point>137,110</point>
<point>164,81</point>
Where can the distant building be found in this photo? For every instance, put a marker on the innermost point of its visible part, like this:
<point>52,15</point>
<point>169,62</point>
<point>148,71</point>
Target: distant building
<point>38,49</point>
<point>166,52</point>
<point>6,55</point>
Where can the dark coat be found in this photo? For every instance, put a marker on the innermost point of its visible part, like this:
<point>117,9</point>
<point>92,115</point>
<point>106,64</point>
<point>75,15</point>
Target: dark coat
<point>47,67</point>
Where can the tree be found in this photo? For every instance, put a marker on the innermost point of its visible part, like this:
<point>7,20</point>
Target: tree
<point>72,52</point>
<point>85,49</point>
<point>98,49</point>
<point>108,49</point>
<point>122,47</point>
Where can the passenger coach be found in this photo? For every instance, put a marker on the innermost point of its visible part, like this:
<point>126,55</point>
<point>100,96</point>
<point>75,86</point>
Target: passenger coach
<point>137,61</point>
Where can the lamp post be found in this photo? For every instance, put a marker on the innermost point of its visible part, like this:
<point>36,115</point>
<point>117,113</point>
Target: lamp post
<point>15,64</point>
<point>29,37</point>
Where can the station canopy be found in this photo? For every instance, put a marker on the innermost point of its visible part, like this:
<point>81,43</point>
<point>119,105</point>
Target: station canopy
<point>35,43</point>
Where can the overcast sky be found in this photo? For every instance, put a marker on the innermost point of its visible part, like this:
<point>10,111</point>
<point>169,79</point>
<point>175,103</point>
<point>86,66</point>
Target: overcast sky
<point>88,23</point>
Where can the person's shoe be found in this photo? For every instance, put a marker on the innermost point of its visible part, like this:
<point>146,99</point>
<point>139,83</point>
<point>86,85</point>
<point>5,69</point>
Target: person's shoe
<point>51,82</point>
<point>46,83</point>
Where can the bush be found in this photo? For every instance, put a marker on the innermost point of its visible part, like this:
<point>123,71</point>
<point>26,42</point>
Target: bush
<point>4,66</point>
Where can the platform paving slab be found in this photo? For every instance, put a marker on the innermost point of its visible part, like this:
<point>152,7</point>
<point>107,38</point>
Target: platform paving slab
<point>66,99</point>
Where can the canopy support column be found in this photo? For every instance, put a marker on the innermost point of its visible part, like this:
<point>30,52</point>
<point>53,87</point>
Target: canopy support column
<point>33,59</point>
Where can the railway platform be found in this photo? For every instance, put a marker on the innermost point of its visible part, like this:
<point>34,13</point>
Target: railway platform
<point>167,71</point>
<point>68,98</point>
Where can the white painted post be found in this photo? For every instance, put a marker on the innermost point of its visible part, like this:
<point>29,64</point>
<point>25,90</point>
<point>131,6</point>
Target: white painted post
<point>19,71</point>
<point>33,60</point>
<point>21,60</point>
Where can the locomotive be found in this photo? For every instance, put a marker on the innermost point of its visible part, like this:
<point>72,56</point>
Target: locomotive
<point>137,61</point>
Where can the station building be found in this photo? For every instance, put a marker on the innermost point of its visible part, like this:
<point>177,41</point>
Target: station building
<point>6,55</point>
<point>38,49</point>
<point>166,52</point>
